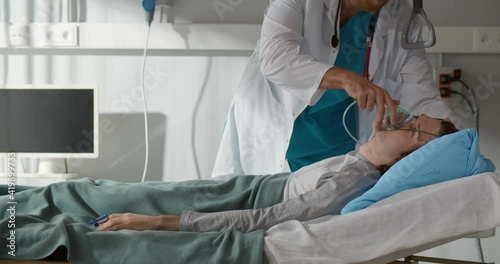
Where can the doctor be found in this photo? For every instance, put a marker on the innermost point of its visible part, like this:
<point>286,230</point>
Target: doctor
<point>314,58</point>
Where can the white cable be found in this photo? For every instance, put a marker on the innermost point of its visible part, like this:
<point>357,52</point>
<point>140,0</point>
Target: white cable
<point>145,107</point>
<point>193,120</point>
<point>345,126</point>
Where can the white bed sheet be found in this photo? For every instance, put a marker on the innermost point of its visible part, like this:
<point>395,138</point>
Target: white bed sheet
<point>404,224</point>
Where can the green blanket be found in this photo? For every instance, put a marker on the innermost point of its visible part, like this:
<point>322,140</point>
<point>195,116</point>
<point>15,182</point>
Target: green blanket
<point>57,215</point>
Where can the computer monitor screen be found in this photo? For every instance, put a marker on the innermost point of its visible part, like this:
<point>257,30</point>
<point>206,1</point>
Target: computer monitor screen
<point>49,121</point>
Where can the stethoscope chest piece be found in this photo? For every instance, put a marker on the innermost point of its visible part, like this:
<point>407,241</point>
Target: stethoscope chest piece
<point>334,42</point>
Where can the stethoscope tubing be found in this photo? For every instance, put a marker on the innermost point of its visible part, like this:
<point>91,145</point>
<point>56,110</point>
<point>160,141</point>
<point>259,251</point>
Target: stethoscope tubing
<point>335,42</point>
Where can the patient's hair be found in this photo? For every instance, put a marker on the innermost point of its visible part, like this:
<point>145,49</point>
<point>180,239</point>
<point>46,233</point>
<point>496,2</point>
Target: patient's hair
<point>447,128</point>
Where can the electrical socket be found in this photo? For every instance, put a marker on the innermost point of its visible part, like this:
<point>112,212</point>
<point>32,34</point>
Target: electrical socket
<point>487,40</point>
<point>453,100</point>
<point>58,35</point>
<point>19,35</point>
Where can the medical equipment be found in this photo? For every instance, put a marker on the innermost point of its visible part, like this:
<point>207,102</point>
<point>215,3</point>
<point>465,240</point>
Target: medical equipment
<point>51,122</point>
<point>145,106</point>
<point>96,222</point>
<point>404,118</point>
<point>149,7</point>
<point>369,40</point>
<point>345,126</point>
<point>380,234</point>
<point>418,10</point>
<point>471,98</point>
<point>335,39</point>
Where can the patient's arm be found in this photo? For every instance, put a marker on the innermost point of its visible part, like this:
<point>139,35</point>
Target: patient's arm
<point>140,222</point>
<point>329,198</point>
<point>334,190</point>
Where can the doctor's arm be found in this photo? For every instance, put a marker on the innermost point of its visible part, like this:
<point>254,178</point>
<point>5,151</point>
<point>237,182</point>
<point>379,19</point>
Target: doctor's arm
<point>284,63</point>
<point>282,60</point>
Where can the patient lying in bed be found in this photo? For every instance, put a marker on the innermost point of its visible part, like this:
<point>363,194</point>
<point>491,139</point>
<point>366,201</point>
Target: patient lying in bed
<point>335,182</point>
<point>242,204</point>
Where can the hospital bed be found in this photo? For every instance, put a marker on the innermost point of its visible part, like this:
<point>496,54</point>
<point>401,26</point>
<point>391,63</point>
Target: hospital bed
<point>392,229</point>
<point>404,224</point>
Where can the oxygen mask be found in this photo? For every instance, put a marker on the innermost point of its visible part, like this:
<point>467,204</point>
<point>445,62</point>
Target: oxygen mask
<point>404,118</point>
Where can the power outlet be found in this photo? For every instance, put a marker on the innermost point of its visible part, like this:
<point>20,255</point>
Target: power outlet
<point>444,87</point>
<point>19,35</point>
<point>58,35</point>
<point>487,40</point>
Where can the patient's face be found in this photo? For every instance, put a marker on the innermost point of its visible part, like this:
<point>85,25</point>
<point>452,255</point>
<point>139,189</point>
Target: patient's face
<point>427,124</point>
<point>396,143</point>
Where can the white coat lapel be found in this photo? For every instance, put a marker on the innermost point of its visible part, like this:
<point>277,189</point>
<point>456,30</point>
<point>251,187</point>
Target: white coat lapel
<point>331,14</point>
<point>378,46</point>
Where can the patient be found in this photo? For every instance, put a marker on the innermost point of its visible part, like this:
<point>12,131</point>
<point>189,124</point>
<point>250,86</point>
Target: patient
<point>40,221</point>
<point>327,186</point>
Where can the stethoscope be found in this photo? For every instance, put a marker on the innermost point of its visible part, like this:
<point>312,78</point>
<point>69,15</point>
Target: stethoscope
<point>369,40</point>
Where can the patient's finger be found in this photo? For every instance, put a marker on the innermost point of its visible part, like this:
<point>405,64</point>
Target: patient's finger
<point>377,123</point>
<point>115,228</point>
<point>111,216</point>
<point>103,226</point>
<point>110,224</point>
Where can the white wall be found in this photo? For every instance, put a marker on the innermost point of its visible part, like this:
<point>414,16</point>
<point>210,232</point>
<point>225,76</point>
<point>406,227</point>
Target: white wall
<point>463,12</point>
<point>175,83</point>
<point>173,87</point>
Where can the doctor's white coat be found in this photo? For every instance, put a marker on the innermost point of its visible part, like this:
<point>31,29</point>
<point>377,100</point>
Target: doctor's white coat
<point>284,73</point>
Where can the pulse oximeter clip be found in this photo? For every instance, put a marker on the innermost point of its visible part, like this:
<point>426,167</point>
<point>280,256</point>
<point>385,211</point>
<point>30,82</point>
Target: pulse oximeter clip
<point>96,222</point>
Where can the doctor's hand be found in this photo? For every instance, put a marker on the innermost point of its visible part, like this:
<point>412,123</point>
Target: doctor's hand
<point>140,222</point>
<point>365,92</point>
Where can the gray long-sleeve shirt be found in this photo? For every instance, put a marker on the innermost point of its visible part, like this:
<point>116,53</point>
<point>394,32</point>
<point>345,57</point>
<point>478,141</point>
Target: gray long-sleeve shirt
<point>342,179</point>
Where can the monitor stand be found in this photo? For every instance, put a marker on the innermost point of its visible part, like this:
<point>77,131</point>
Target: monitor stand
<point>53,168</point>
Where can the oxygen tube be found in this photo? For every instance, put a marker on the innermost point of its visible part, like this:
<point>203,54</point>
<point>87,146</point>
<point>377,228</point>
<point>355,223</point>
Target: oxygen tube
<point>404,118</point>
<point>345,126</point>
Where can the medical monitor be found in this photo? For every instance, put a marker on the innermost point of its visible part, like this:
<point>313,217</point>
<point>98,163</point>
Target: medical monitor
<point>49,121</point>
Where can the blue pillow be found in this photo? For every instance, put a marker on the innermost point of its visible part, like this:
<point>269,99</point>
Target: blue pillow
<point>446,158</point>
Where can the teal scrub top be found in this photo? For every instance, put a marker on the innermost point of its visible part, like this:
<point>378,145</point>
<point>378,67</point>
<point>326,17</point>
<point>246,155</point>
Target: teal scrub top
<point>318,132</point>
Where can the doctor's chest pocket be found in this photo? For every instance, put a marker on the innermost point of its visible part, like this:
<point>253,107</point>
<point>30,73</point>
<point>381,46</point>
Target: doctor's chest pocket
<point>259,117</point>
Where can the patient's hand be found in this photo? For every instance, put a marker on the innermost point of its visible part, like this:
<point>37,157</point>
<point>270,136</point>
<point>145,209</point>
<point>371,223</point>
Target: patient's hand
<point>140,222</point>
